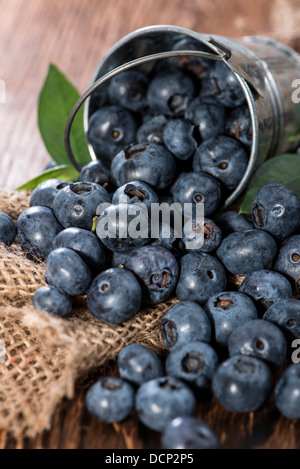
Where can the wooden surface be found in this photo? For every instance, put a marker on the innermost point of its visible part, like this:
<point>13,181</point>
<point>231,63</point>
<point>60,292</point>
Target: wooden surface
<point>74,34</point>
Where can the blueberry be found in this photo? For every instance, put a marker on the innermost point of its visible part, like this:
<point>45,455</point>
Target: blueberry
<point>243,252</point>
<point>260,339</point>
<point>286,315</point>
<point>266,287</point>
<point>170,92</point>
<point>160,400</point>
<point>178,138</point>
<point>114,296</point>
<point>110,399</point>
<point>224,86</point>
<point>222,157</point>
<point>198,66</point>
<point>194,363</point>
<point>242,384</point>
<point>135,192</point>
<point>139,364</point>
<point>128,89</point>
<point>67,271</point>
<point>169,239</point>
<point>76,205</point>
<point>95,171</point>
<point>238,125</point>
<point>197,187</point>
<point>288,260</point>
<point>85,243</point>
<point>232,221</point>
<point>189,433</point>
<point>287,392</point>
<point>276,209</point>
<point>8,230</point>
<point>109,130</point>
<point>227,311</point>
<point>152,130</point>
<point>157,270</point>
<point>36,229</point>
<point>44,194</point>
<point>208,118</point>
<point>201,277</point>
<point>212,235</point>
<point>124,227</point>
<point>52,300</point>
<point>151,163</point>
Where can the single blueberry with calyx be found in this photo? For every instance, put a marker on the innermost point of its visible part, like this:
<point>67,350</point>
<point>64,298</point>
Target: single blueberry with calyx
<point>195,188</point>
<point>260,339</point>
<point>95,171</point>
<point>287,392</point>
<point>266,287</point>
<point>193,362</point>
<point>160,400</point>
<point>8,229</point>
<point>124,227</point>
<point>212,235</point>
<point>53,301</point>
<point>135,192</point>
<point>224,86</point>
<point>138,364</point>
<point>151,163</point>
<point>222,157</point>
<point>242,384</point>
<point>114,296</point>
<point>109,130</point>
<point>189,432</point>
<point>243,252</point>
<point>286,315</point>
<point>170,92</point>
<point>232,221</point>
<point>86,244</point>
<point>276,209</point>
<point>110,399</point>
<point>152,130</point>
<point>198,66</point>
<point>44,194</point>
<point>128,89</point>
<point>288,259</point>
<point>157,271</point>
<point>178,136</point>
<point>36,229</point>
<point>227,311</point>
<point>238,125</point>
<point>76,205</point>
<point>67,271</point>
<point>201,276</point>
<point>208,118</point>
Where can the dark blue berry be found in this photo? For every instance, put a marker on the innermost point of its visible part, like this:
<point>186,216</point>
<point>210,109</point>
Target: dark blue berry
<point>194,363</point>
<point>201,277</point>
<point>152,130</point>
<point>178,138</point>
<point>114,296</point>
<point>243,252</point>
<point>95,171</point>
<point>287,392</point>
<point>260,339</point>
<point>36,229</point>
<point>135,192</point>
<point>128,89</point>
<point>232,221</point>
<point>242,384</point>
<point>212,235</point>
<point>185,322</point>
<point>189,433</point>
<point>8,230</point>
<point>286,315</point>
<point>227,311</point>
<point>276,209</point>
<point>139,364</point>
<point>160,400</point>
<point>157,270</point>
<point>110,399</point>
<point>224,86</point>
<point>288,260</point>
<point>168,238</point>
<point>44,194</point>
<point>198,66</point>
<point>208,118</point>
<point>238,125</point>
<point>52,300</point>
<point>67,271</point>
<point>222,157</point>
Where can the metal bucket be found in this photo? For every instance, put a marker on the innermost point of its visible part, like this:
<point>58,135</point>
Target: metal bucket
<point>264,68</point>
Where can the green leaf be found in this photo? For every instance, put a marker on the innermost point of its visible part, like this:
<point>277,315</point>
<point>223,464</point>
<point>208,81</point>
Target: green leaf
<point>68,173</point>
<point>56,101</point>
<point>284,169</point>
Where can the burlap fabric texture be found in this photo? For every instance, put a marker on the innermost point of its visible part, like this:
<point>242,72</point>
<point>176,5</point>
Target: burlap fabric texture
<point>42,356</point>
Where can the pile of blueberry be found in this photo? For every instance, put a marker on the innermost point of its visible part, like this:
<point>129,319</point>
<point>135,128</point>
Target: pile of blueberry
<point>179,134</point>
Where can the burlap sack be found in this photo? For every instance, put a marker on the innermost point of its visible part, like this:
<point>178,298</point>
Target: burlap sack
<point>43,355</point>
